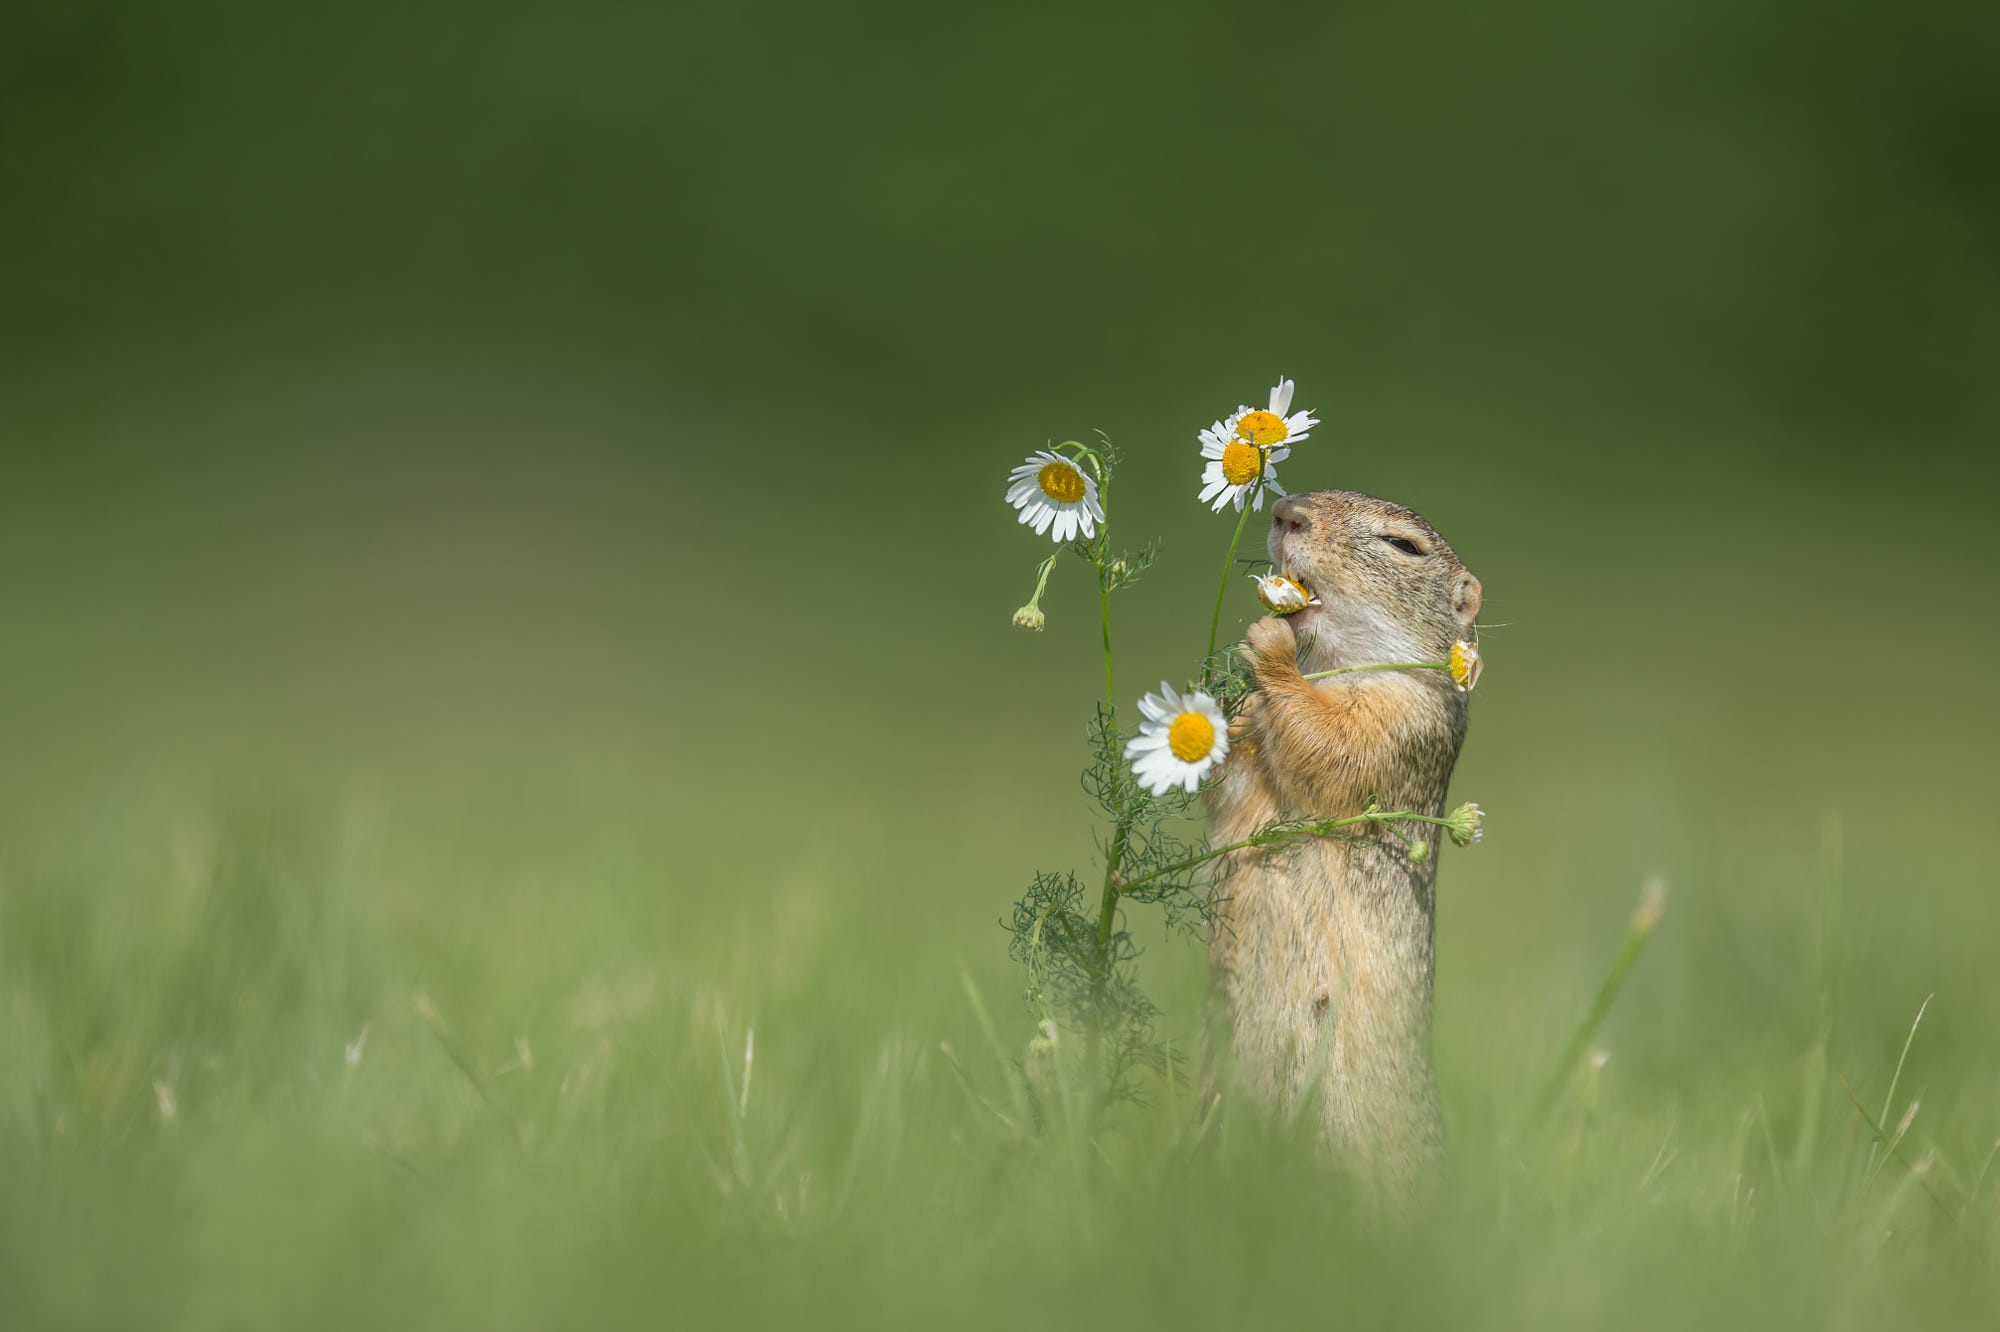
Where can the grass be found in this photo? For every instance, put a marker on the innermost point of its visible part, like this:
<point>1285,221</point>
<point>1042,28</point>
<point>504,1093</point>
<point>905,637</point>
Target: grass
<point>289,1070</point>
<point>456,953</point>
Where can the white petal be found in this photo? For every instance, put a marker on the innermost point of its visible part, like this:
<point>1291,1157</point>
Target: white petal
<point>1281,397</point>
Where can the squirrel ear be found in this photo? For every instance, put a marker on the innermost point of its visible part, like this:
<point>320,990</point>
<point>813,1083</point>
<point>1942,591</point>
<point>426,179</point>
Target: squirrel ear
<point>1465,598</point>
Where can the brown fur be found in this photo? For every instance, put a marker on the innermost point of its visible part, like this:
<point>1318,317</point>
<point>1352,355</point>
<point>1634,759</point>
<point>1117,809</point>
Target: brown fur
<point>1340,931</point>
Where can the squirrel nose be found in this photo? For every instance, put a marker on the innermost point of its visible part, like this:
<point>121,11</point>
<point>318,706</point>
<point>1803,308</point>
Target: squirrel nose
<point>1289,512</point>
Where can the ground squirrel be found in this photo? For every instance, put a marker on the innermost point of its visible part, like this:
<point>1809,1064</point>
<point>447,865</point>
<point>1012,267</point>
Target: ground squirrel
<point>1343,930</point>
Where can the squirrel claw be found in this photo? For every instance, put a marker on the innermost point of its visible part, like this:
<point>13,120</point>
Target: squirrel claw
<point>1271,646</point>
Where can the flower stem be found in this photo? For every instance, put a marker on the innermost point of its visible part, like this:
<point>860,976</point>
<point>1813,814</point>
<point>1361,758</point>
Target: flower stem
<point>1104,615</point>
<point>1100,968</point>
<point>1103,579</point>
<point>1228,567</point>
<point>1386,666</point>
<point>1114,856</point>
<point>1325,828</point>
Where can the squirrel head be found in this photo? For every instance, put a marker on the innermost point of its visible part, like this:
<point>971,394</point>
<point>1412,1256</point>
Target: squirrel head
<point>1389,587</point>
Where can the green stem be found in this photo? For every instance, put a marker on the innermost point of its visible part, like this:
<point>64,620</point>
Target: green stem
<point>1386,666</point>
<point>1107,911</point>
<point>1325,829</point>
<point>1103,583</point>
<point>1228,567</point>
<point>1104,615</point>
<point>1107,916</point>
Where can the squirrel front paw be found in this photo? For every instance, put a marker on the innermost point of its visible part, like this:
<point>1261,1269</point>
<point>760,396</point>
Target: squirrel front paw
<point>1272,650</point>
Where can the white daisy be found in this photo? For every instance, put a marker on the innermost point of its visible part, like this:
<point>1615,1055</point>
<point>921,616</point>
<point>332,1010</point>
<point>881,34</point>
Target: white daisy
<point>1282,595</point>
<point>1052,491</point>
<point>1183,736</point>
<point>1234,468</point>
<point>1272,427</point>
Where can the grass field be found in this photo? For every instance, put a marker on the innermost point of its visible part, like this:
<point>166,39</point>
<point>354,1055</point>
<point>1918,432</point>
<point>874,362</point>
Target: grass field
<point>514,764</point>
<point>527,898</point>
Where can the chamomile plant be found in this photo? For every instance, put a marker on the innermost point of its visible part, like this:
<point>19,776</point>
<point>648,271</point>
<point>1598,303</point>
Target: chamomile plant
<point>1074,934</point>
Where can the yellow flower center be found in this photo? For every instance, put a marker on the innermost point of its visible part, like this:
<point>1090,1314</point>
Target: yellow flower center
<point>1241,462</point>
<point>1266,428</point>
<point>1061,482</point>
<point>1464,664</point>
<point>1191,737</point>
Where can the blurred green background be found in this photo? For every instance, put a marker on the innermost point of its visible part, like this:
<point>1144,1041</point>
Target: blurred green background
<point>501,549</point>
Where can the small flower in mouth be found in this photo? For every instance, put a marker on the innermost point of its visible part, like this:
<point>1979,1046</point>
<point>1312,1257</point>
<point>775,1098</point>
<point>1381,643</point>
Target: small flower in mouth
<point>1283,595</point>
<point>1464,827</point>
<point>1465,666</point>
<point>1051,491</point>
<point>1182,737</point>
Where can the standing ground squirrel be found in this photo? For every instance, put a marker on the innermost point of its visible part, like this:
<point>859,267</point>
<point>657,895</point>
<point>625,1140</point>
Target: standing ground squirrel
<point>1335,929</point>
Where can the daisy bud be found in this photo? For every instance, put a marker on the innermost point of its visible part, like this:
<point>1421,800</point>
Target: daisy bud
<point>1465,666</point>
<point>1030,615</point>
<point>1282,595</point>
<point>1464,827</point>
<point>1419,852</point>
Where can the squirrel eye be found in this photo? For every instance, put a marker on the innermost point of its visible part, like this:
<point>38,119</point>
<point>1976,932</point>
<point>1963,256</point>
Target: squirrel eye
<point>1404,544</point>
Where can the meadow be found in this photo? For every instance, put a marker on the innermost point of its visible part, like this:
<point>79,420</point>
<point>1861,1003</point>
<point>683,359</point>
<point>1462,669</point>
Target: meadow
<point>515,766</point>
<point>424,903</point>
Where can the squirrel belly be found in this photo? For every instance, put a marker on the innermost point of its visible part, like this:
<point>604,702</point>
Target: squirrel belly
<point>1324,953</point>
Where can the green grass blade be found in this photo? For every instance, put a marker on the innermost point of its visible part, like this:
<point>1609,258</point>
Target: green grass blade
<point>1645,919</point>
<point>1889,1101</point>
